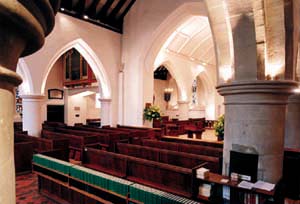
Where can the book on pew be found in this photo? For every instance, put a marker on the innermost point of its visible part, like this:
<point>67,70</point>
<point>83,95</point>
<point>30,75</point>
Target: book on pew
<point>264,186</point>
<point>205,190</point>
<point>202,173</point>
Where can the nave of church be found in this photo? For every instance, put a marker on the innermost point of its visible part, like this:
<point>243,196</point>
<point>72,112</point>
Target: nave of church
<point>150,101</point>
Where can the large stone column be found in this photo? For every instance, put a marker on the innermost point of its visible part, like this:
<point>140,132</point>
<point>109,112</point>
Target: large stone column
<point>292,125</point>
<point>33,114</point>
<point>105,112</point>
<point>255,122</point>
<point>183,110</point>
<point>23,27</point>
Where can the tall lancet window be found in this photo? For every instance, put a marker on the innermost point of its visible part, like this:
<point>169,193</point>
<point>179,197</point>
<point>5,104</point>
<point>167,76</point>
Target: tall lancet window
<point>194,92</point>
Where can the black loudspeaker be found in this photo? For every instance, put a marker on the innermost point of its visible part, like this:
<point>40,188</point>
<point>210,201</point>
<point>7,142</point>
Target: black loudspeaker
<point>244,164</point>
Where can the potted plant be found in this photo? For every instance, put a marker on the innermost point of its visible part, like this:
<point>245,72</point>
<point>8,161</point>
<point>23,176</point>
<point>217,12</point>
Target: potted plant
<point>219,127</point>
<point>151,112</point>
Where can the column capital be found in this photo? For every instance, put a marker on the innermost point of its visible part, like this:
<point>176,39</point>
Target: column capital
<point>10,77</point>
<point>36,19</point>
<point>257,92</point>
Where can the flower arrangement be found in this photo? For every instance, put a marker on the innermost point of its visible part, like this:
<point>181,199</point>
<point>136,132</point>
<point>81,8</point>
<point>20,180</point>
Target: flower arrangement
<point>219,127</point>
<point>151,112</point>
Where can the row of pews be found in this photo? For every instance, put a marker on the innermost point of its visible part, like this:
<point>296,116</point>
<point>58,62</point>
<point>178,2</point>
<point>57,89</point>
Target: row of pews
<point>131,153</point>
<point>177,127</point>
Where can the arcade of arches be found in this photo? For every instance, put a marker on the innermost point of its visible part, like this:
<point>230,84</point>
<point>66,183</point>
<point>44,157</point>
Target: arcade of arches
<point>194,59</point>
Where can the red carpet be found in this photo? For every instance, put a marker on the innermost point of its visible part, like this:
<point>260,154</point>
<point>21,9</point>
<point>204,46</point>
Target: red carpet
<point>27,191</point>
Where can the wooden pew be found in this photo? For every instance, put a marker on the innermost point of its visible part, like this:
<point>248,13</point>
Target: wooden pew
<point>108,162</point>
<point>76,142</point>
<point>218,144</point>
<point>175,158</point>
<point>153,132</point>
<point>135,135</point>
<point>115,136</point>
<point>23,151</point>
<point>188,148</point>
<point>165,177</point>
<point>18,126</point>
<point>170,178</point>
<point>103,138</point>
<point>106,138</point>
<point>52,125</point>
<point>44,144</point>
<point>96,122</point>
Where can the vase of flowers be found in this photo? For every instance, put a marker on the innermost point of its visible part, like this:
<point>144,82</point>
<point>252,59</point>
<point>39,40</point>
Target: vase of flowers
<point>150,113</point>
<point>219,127</point>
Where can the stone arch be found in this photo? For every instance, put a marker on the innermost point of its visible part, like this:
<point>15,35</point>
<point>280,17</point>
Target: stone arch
<point>169,66</point>
<point>209,92</point>
<point>168,26</point>
<point>22,69</point>
<point>223,42</point>
<point>96,65</point>
<point>219,21</point>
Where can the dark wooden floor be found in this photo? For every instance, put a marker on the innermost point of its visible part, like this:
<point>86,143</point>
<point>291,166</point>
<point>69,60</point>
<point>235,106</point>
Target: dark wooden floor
<point>27,191</point>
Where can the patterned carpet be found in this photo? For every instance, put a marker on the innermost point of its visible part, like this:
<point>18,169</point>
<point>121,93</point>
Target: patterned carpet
<point>27,191</point>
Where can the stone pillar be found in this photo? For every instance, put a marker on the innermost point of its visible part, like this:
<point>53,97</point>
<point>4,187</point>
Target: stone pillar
<point>183,110</point>
<point>105,111</point>
<point>21,33</point>
<point>8,80</point>
<point>255,122</point>
<point>33,114</point>
<point>292,125</point>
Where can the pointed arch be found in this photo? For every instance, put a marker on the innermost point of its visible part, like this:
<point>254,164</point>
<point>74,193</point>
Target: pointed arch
<point>168,26</point>
<point>169,66</point>
<point>22,69</point>
<point>89,55</point>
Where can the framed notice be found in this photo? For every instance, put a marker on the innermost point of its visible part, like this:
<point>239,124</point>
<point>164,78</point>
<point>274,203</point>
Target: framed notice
<point>55,94</point>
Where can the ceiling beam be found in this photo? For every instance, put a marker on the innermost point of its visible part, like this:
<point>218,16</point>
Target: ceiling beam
<point>122,15</point>
<point>91,11</point>
<point>67,4</point>
<point>79,7</point>
<point>102,13</point>
<point>115,10</point>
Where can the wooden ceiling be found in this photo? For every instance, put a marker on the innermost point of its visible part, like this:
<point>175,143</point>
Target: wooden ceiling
<point>105,13</point>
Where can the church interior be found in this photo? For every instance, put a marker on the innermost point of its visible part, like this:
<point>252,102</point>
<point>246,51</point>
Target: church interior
<point>150,102</point>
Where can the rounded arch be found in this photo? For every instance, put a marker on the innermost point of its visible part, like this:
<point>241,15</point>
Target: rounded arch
<point>22,69</point>
<point>96,65</point>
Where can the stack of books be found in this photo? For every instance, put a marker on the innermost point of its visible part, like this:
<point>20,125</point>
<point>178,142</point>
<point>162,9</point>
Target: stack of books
<point>52,163</point>
<point>205,189</point>
<point>149,195</point>
<point>106,181</point>
<point>202,173</point>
